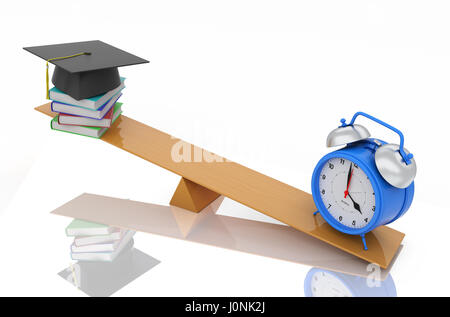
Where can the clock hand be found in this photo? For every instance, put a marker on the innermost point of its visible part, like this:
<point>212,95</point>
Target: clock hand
<point>349,178</point>
<point>355,204</point>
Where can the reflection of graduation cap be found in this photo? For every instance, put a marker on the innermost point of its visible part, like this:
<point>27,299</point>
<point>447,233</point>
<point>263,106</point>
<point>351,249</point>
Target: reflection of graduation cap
<point>85,69</point>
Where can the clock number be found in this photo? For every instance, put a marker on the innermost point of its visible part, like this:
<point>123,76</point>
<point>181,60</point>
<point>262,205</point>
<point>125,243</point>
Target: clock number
<point>345,198</point>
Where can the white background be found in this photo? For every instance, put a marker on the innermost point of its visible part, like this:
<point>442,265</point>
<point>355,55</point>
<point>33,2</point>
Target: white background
<point>259,82</point>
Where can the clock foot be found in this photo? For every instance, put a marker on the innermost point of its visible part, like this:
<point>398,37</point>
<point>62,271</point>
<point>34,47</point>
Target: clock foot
<point>364,242</point>
<point>315,212</point>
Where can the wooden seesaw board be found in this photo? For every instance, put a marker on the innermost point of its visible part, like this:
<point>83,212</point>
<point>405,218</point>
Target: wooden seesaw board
<point>202,182</point>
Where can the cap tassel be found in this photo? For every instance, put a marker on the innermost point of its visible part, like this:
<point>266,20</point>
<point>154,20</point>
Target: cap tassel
<point>58,58</point>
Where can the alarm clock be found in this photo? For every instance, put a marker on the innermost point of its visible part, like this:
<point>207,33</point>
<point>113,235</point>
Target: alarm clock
<point>324,283</point>
<point>365,184</point>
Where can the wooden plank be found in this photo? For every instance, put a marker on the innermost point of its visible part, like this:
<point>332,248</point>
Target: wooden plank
<point>246,186</point>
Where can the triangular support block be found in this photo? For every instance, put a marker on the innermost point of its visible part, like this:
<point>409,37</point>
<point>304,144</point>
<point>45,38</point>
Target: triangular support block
<point>192,196</point>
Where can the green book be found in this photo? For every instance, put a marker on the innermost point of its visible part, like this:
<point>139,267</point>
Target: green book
<point>85,228</point>
<point>93,132</point>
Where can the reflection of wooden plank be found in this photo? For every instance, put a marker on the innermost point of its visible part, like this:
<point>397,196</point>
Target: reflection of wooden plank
<point>254,237</point>
<point>255,190</point>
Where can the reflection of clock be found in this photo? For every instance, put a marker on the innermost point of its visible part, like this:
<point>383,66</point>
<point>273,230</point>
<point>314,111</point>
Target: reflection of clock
<point>323,283</point>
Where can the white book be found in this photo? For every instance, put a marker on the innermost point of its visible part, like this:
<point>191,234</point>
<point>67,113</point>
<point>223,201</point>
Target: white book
<point>98,247</point>
<point>104,256</point>
<point>83,112</point>
<point>92,103</point>
<point>99,239</point>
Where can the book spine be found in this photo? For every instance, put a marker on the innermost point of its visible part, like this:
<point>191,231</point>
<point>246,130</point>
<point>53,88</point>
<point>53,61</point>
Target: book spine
<point>51,123</point>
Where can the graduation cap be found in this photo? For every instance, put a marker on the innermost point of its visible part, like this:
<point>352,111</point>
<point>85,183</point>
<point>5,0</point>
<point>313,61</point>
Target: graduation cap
<point>85,69</point>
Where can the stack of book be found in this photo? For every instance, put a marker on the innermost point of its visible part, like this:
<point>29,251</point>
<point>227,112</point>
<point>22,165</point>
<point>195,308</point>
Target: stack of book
<point>89,117</point>
<point>87,84</point>
<point>97,242</point>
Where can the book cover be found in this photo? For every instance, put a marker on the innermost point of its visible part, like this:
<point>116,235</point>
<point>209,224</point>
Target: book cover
<point>80,227</point>
<point>105,256</point>
<point>115,235</point>
<point>83,112</point>
<point>98,247</point>
<point>69,119</point>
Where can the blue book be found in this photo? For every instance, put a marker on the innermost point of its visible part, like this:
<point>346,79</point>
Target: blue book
<point>92,103</point>
<point>84,112</point>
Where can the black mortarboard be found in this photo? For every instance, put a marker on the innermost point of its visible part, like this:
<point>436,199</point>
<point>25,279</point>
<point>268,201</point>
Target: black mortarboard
<point>85,69</point>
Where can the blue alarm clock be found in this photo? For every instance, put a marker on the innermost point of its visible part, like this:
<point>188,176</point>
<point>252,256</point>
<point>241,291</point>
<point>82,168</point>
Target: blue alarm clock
<point>365,184</point>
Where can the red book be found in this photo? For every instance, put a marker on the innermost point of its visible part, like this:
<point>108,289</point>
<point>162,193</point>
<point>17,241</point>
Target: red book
<point>105,122</point>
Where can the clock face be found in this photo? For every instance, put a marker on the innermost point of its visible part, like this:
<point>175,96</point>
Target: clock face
<point>324,284</point>
<point>347,193</point>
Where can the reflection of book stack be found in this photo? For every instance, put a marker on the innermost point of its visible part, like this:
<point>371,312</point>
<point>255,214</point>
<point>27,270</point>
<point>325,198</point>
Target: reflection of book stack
<point>97,242</point>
